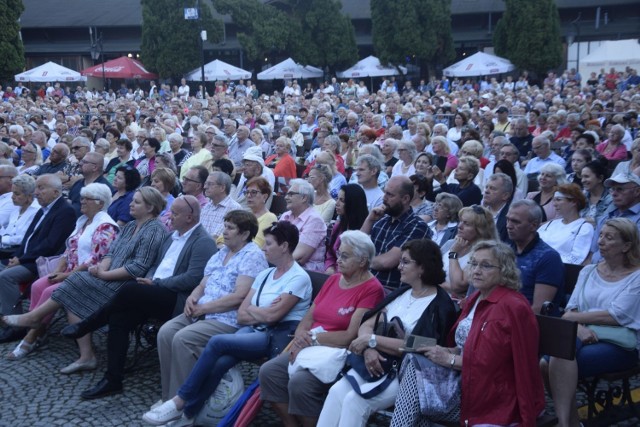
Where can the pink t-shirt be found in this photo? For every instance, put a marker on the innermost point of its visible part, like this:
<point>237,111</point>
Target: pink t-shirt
<point>335,306</point>
<point>619,154</point>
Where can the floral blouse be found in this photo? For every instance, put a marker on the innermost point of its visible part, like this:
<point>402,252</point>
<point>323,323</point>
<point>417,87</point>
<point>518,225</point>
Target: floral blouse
<point>101,240</point>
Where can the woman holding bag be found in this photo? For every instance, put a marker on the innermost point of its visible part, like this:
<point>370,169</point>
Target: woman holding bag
<point>332,321</point>
<point>425,310</point>
<point>272,309</point>
<point>606,294</point>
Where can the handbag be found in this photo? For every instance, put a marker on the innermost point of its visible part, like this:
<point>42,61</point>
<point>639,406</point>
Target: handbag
<point>391,329</point>
<point>324,362</point>
<point>619,335</point>
<point>439,389</point>
<point>47,265</point>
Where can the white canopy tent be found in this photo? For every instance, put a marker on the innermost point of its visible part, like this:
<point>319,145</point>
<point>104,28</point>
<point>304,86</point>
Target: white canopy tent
<point>218,70</point>
<point>617,54</point>
<point>370,67</point>
<point>479,64</point>
<point>50,72</point>
<point>289,69</point>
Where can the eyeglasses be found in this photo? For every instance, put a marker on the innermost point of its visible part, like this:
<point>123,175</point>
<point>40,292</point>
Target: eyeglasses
<point>484,266</point>
<point>293,193</point>
<point>252,193</point>
<point>191,180</point>
<point>6,176</point>
<point>344,256</point>
<point>405,261</point>
<point>187,202</point>
<point>84,162</point>
<point>219,145</point>
<point>620,189</point>
<point>77,147</point>
<point>84,199</point>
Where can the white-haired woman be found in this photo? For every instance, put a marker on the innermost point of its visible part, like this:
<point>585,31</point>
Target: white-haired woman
<point>20,217</point>
<point>320,177</point>
<point>551,175</point>
<point>88,244</point>
<point>31,156</point>
<point>406,154</point>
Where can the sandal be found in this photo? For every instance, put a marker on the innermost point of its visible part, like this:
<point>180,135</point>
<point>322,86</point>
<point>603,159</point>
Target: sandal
<point>21,351</point>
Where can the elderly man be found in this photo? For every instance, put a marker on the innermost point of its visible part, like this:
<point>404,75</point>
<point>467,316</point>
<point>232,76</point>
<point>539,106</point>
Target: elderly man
<point>45,237</point>
<point>7,173</point>
<point>367,171</point>
<point>193,184</point>
<point>40,139</point>
<point>57,160</point>
<point>72,172</point>
<point>391,225</point>
<point>521,138</point>
<point>350,126</point>
<point>91,169</point>
<point>217,188</point>
<point>498,193</point>
<point>252,166</point>
<point>161,295</point>
<point>313,232</point>
<point>541,147</point>
<point>59,130</point>
<point>625,196</point>
<point>241,144</point>
<point>541,268</point>
<point>229,130</point>
<point>219,147</point>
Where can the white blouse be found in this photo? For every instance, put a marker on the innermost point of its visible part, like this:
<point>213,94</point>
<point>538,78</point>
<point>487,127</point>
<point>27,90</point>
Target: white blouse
<point>572,241</point>
<point>14,232</point>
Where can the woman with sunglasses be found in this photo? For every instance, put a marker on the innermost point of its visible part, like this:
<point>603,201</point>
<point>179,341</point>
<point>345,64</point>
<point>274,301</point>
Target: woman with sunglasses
<point>31,156</point>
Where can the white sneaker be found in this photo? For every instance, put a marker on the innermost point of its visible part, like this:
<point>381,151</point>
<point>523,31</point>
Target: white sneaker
<point>155,405</point>
<point>183,421</point>
<point>162,414</point>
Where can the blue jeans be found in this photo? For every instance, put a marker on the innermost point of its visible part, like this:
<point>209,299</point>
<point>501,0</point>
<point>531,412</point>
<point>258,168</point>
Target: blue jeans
<point>222,353</point>
<point>603,358</point>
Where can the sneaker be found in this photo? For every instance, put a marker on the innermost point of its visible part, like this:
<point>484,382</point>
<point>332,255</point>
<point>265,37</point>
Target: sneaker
<point>155,405</point>
<point>183,421</point>
<point>162,414</point>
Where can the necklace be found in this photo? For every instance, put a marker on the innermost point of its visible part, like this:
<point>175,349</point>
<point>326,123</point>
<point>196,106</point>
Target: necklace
<point>413,299</point>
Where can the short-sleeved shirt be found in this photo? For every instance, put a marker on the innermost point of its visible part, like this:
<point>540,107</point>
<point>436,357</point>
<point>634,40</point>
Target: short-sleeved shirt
<point>221,279</point>
<point>294,282</point>
<point>388,233</point>
<point>212,216</point>
<point>633,214</point>
<point>540,263</point>
<point>313,232</point>
<point>335,306</point>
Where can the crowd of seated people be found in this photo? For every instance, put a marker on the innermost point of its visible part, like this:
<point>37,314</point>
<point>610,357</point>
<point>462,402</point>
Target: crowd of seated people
<point>417,204</point>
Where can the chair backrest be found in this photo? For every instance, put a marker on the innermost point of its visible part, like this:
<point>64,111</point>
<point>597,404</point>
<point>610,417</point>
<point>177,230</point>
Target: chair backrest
<point>278,205</point>
<point>317,280</point>
<point>300,170</point>
<point>571,272</point>
<point>557,337</point>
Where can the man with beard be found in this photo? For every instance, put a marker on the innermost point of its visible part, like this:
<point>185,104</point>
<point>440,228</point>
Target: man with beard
<point>391,225</point>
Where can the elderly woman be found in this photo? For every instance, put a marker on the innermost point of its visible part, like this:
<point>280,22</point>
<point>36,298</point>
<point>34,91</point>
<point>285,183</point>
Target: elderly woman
<point>200,155</point>
<point>257,136</point>
<point>551,175</point>
<point>163,180</point>
<point>476,224</point>
<point>569,234</point>
<point>443,158</point>
<point>282,163</point>
<point>21,215</point>
<point>320,177</point>
<point>31,156</point>
<point>630,165</point>
<point>85,292</point>
<point>279,298</point>
<point>406,154</point>
<point>468,192</point>
<point>328,160</point>
<point>351,209</point>
<point>112,135</point>
<point>422,196</point>
<point>257,191</point>
<point>123,149</point>
<point>424,308</point>
<point>495,345</point>
<point>180,155</point>
<point>331,144</point>
<point>613,148</point>
<point>444,225</point>
<point>86,246</point>
<point>598,198</point>
<point>147,164</point>
<point>298,399</point>
<point>212,307</point>
<point>126,181</point>
<point>475,149</point>
<point>313,231</point>
<point>605,295</point>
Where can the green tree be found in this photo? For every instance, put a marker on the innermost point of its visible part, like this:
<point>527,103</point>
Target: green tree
<point>420,28</point>
<point>171,44</point>
<point>528,34</point>
<point>11,49</point>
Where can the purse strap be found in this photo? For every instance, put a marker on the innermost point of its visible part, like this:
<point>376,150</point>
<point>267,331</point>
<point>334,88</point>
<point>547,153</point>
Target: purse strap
<point>390,376</point>
<point>262,286</point>
<point>376,328</point>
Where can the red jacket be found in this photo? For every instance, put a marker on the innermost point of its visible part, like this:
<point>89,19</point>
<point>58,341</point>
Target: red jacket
<point>501,382</point>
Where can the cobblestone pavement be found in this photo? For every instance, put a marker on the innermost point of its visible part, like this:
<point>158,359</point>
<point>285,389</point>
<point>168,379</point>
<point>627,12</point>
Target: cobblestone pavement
<point>34,393</point>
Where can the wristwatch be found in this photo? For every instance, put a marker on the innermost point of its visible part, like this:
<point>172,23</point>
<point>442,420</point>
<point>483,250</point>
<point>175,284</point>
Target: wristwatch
<point>372,341</point>
<point>453,255</point>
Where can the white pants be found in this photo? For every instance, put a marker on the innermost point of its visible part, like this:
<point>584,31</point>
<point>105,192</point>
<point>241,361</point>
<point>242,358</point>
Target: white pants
<point>345,407</point>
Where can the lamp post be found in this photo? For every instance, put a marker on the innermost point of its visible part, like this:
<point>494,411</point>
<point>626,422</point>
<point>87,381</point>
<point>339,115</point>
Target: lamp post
<point>193,14</point>
<point>576,24</point>
<point>97,52</point>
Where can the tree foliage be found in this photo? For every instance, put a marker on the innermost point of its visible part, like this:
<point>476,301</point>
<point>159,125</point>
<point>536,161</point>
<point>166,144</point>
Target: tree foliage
<point>171,44</point>
<point>528,34</point>
<point>404,28</point>
<point>310,31</point>
<point>11,49</point>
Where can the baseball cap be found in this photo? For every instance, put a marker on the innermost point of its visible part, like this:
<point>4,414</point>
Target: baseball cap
<point>502,109</point>
<point>254,154</point>
<point>623,178</point>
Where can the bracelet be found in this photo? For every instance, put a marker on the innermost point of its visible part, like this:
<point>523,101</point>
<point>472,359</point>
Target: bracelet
<point>453,255</point>
<point>453,361</point>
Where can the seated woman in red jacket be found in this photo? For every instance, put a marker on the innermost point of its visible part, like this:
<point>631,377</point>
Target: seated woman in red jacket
<point>494,344</point>
<point>282,163</point>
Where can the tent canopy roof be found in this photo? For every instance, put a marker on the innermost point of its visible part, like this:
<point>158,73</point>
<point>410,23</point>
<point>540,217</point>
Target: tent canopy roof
<point>479,64</point>
<point>49,72</point>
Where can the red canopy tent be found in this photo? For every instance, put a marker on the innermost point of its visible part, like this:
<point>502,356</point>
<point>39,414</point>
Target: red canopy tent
<point>120,68</point>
